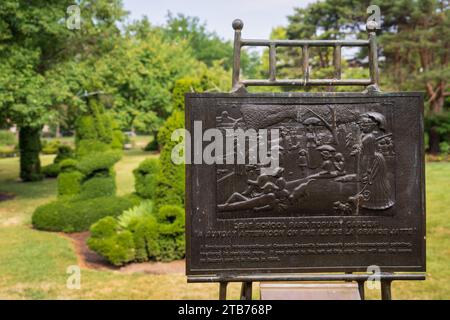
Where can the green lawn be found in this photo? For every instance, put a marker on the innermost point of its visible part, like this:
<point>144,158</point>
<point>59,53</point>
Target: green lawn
<point>33,264</point>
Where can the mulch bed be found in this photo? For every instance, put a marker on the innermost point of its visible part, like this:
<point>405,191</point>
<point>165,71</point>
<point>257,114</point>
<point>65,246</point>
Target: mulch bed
<point>4,196</point>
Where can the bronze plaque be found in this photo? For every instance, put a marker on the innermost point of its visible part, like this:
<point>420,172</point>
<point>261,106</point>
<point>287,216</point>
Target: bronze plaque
<point>347,193</point>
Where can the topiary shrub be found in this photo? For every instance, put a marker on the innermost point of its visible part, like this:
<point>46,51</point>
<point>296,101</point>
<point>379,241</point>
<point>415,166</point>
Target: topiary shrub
<point>51,170</point>
<point>145,178</point>
<point>97,187</point>
<point>115,245</point>
<point>50,147</point>
<point>86,147</point>
<point>64,152</point>
<point>30,147</point>
<point>70,215</point>
<point>171,219</point>
<point>170,183</point>
<point>69,183</point>
<point>145,235</point>
<point>98,162</point>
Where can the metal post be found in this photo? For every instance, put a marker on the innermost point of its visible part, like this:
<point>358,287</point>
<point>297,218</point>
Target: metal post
<point>361,289</point>
<point>373,54</point>
<point>237,26</point>
<point>386,290</point>
<point>246,291</point>
<point>305,64</point>
<point>272,62</point>
<point>223,290</point>
<point>337,62</point>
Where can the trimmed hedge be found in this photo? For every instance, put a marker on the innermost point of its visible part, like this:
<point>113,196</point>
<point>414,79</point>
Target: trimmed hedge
<point>157,236</point>
<point>69,183</point>
<point>145,178</point>
<point>73,215</point>
<point>30,147</point>
<point>98,162</point>
<point>51,170</point>
<point>115,246</point>
<point>98,187</point>
<point>170,183</point>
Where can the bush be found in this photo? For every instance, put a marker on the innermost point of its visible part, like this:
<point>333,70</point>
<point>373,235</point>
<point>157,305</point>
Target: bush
<point>64,152</point>
<point>73,215</point>
<point>98,187</point>
<point>98,162</point>
<point>86,147</point>
<point>8,152</point>
<point>30,147</point>
<point>50,147</point>
<point>145,178</point>
<point>7,138</point>
<point>51,170</point>
<point>152,145</point>
<point>115,246</point>
<point>171,219</point>
<point>69,183</point>
<point>145,235</point>
<point>170,183</point>
<point>68,165</point>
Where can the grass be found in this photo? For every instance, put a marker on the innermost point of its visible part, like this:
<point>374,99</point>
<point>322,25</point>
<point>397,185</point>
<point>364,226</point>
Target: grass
<point>33,264</point>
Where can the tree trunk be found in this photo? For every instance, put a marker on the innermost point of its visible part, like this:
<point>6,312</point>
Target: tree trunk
<point>30,146</point>
<point>434,141</point>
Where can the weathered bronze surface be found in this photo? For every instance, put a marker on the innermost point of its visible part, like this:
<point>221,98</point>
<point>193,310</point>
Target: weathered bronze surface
<point>349,192</point>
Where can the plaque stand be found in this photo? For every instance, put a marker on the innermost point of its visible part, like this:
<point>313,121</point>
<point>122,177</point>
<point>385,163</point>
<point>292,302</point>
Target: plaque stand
<point>247,281</point>
<point>372,88</point>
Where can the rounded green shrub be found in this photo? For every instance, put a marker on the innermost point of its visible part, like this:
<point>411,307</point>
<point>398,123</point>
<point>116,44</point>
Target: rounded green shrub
<point>145,234</point>
<point>73,215</point>
<point>64,152</point>
<point>114,245</point>
<point>50,147</point>
<point>98,162</point>
<point>68,165</point>
<point>51,170</point>
<point>98,187</point>
<point>145,178</point>
<point>171,220</point>
<point>69,183</point>
<point>85,147</point>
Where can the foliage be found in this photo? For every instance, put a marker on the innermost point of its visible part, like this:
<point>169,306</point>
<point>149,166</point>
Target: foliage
<point>170,183</point>
<point>128,217</point>
<point>98,162</point>
<point>7,138</point>
<point>30,147</point>
<point>145,178</point>
<point>50,147</point>
<point>115,246</point>
<point>72,215</point>
<point>413,41</point>
<point>36,46</point>
<point>69,183</point>
<point>64,152</point>
<point>156,236</point>
<point>51,170</point>
<point>97,187</point>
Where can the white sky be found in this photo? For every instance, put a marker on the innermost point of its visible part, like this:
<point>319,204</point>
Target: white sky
<point>259,16</point>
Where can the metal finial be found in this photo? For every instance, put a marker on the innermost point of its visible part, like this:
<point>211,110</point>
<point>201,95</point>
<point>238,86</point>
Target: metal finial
<point>371,25</point>
<point>238,24</point>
